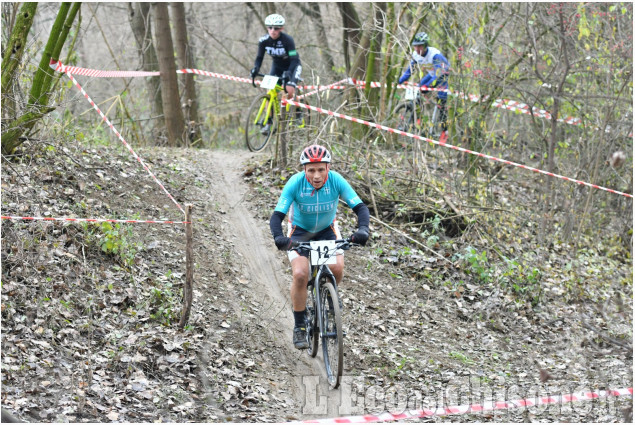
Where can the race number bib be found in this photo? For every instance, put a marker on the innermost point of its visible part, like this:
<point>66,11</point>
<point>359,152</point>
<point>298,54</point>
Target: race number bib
<point>322,252</point>
<point>411,93</point>
<point>269,82</point>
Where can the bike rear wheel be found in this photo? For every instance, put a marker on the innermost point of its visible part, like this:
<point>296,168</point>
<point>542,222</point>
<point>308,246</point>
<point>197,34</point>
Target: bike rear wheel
<point>255,136</point>
<point>332,336</point>
<point>313,330</point>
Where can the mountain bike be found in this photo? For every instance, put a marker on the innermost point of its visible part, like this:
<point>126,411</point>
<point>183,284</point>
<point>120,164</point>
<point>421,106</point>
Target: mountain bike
<point>263,116</point>
<point>324,307</point>
<point>418,114</point>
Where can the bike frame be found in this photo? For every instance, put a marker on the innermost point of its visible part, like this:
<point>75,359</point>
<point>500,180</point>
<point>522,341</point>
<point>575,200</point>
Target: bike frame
<point>272,103</point>
<point>316,272</point>
<point>418,104</point>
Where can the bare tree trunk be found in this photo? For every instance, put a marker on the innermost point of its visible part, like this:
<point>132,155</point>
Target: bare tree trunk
<point>184,56</point>
<point>12,57</point>
<point>267,8</point>
<point>141,25</point>
<point>37,105</point>
<point>17,42</point>
<point>375,34</point>
<point>545,228</point>
<point>351,27</point>
<point>174,122</point>
<point>387,73</point>
<point>313,12</point>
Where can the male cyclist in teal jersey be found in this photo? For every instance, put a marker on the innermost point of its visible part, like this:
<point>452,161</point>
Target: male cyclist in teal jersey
<point>313,195</point>
<point>436,77</point>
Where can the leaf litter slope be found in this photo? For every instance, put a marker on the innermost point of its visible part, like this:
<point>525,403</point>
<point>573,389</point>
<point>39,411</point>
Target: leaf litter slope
<point>82,338</point>
<point>94,338</point>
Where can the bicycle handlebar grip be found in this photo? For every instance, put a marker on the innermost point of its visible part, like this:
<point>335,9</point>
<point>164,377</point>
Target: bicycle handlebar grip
<point>253,78</point>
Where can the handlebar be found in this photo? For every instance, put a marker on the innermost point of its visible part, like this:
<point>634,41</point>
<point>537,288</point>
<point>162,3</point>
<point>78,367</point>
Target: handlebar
<point>253,78</point>
<point>282,80</point>
<point>344,244</point>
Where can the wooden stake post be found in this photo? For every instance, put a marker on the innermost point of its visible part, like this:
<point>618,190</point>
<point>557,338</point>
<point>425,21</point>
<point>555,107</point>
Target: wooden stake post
<point>189,268</point>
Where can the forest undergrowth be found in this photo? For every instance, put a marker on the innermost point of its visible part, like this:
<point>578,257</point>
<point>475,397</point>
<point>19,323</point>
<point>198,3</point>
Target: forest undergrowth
<point>89,311</point>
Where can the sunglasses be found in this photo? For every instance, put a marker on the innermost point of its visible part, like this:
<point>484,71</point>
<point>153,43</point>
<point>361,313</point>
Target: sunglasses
<point>274,28</point>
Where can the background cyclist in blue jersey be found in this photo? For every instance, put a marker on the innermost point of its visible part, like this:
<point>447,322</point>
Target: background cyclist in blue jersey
<point>437,76</point>
<point>313,195</point>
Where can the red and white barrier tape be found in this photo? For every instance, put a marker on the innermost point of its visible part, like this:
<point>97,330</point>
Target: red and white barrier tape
<point>511,105</point>
<point>377,84</point>
<point>95,73</point>
<point>92,220</point>
<point>482,155</point>
<point>475,408</point>
<point>321,88</point>
<point>75,70</point>
<point>59,67</point>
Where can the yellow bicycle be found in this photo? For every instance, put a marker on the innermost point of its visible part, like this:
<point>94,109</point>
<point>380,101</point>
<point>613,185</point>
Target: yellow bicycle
<point>263,115</point>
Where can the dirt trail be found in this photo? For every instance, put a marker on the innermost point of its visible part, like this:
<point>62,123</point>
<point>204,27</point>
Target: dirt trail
<point>417,330</point>
<point>269,278</point>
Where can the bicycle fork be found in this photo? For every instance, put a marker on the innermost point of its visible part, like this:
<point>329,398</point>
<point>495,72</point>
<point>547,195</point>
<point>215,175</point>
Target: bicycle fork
<point>267,104</point>
<point>318,304</point>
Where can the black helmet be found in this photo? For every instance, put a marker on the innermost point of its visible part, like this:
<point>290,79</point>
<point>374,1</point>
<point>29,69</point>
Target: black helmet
<point>420,39</point>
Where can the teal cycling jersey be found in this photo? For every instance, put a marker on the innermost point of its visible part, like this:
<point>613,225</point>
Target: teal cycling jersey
<point>314,210</point>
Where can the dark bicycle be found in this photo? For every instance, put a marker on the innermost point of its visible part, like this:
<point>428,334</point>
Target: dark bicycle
<point>323,306</point>
<point>418,114</point>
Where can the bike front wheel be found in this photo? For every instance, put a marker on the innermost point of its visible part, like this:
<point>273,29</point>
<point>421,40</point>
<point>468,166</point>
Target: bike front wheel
<point>403,118</point>
<point>259,129</point>
<point>332,336</point>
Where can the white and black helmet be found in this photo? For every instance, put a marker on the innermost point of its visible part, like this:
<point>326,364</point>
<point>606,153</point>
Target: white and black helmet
<point>274,20</point>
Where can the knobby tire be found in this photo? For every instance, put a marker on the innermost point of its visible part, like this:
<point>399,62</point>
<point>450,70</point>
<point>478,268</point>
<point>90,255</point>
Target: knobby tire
<point>404,117</point>
<point>256,141</point>
<point>332,336</point>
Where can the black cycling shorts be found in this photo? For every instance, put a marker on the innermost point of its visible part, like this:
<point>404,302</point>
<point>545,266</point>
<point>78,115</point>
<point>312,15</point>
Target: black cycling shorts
<point>297,233</point>
<point>294,74</point>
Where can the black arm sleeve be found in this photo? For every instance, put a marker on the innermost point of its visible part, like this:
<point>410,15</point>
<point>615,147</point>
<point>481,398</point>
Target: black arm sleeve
<point>275,223</point>
<point>294,57</point>
<point>363,215</point>
<point>260,56</point>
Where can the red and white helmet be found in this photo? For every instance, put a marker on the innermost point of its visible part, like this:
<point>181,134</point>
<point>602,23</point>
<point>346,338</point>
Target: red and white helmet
<point>315,153</point>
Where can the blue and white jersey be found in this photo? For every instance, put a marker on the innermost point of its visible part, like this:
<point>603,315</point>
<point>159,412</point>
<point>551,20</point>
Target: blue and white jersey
<point>314,210</point>
<point>437,76</point>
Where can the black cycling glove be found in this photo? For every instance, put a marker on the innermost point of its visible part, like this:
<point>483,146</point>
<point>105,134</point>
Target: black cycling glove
<point>283,243</point>
<point>361,236</point>
<point>254,72</point>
